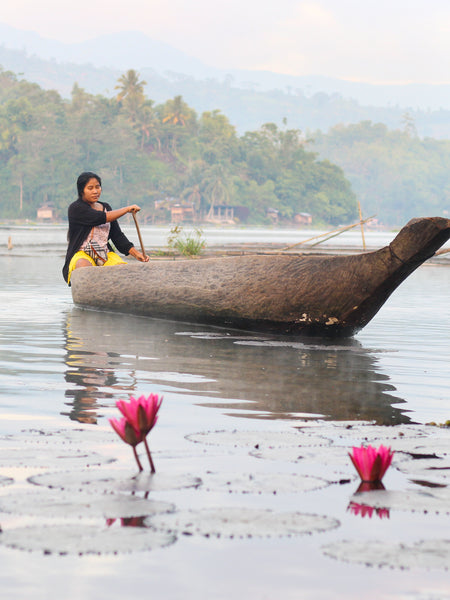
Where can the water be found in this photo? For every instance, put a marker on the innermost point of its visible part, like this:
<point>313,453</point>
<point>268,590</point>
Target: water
<point>61,366</point>
<point>26,236</point>
<point>76,363</point>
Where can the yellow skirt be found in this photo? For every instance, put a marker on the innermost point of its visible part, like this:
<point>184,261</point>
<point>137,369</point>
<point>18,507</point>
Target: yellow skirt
<point>113,259</point>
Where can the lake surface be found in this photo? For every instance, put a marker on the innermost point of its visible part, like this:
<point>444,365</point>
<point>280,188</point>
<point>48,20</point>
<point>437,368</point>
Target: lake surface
<point>61,366</point>
<point>79,362</point>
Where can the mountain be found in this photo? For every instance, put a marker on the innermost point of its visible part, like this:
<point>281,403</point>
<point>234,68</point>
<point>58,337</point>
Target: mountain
<point>118,51</point>
<point>248,98</point>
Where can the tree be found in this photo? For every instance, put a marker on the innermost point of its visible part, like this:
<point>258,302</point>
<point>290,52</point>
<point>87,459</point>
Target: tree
<point>217,186</point>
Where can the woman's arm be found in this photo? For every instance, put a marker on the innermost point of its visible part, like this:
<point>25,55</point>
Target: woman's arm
<point>113,215</point>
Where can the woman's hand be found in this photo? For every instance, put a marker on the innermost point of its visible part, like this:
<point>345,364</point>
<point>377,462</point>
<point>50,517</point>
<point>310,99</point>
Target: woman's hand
<point>133,208</point>
<point>138,255</point>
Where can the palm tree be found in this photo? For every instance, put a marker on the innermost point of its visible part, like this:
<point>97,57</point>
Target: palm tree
<point>176,111</point>
<point>131,92</point>
<point>129,85</point>
<point>218,186</point>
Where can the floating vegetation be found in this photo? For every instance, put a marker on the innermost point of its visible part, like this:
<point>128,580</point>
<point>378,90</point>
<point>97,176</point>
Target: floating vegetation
<point>334,459</point>
<point>242,523</point>
<point>371,433</point>
<point>436,499</point>
<point>86,437</point>
<point>49,457</point>
<point>114,480</point>
<point>257,439</point>
<point>426,554</point>
<point>80,539</point>
<point>50,504</point>
<point>262,483</point>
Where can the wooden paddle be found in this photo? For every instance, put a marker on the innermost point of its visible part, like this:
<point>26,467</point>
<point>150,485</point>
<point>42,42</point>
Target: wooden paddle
<point>139,233</point>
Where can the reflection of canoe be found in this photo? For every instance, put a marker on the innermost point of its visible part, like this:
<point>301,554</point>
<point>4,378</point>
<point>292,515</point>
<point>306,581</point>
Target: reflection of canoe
<point>303,293</point>
<point>243,374</point>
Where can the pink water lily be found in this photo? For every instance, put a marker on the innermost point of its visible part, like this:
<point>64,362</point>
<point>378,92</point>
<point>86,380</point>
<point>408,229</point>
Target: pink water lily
<point>371,463</point>
<point>141,412</point>
<point>141,415</point>
<point>129,434</point>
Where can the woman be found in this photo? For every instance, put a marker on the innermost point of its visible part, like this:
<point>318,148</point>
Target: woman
<point>92,224</point>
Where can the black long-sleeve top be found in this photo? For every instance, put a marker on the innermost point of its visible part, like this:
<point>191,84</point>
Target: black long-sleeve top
<point>82,218</point>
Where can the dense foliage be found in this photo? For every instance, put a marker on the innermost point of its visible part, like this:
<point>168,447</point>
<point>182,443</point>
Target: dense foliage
<point>395,174</point>
<point>154,155</point>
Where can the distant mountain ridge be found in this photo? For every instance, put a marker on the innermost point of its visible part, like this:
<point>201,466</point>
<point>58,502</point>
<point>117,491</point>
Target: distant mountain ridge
<point>133,49</point>
<point>248,98</point>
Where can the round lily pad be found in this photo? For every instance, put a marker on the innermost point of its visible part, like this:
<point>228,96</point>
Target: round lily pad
<point>51,457</point>
<point>325,456</point>
<point>257,439</point>
<point>426,554</point>
<point>49,436</point>
<point>427,446</point>
<point>57,504</point>
<point>262,483</point>
<point>109,480</point>
<point>430,500</point>
<point>368,433</point>
<point>436,470</point>
<point>79,539</point>
<point>242,522</point>
<point>385,435</point>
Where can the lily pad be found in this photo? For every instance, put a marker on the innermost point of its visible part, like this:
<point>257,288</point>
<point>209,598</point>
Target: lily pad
<point>51,457</point>
<point>436,470</point>
<point>424,500</point>
<point>426,554</point>
<point>79,436</point>
<point>384,434</point>
<point>262,483</point>
<point>115,480</point>
<point>82,539</point>
<point>357,432</point>
<point>257,439</point>
<point>334,457</point>
<point>50,504</point>
<point>242,522</point>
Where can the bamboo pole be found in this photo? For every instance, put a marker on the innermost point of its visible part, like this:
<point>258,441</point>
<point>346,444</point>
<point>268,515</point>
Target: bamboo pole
<point>362,225</point>
<point>330,234</point>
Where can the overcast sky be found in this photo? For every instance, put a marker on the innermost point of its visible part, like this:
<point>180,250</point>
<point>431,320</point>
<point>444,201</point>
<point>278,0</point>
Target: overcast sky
<point>379,41</point>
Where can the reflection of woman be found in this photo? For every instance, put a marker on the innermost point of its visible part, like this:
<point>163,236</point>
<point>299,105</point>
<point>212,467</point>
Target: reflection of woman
<point>92,225</point>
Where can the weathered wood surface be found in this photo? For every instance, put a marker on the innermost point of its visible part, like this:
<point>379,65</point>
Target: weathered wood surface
<point>309,294</point>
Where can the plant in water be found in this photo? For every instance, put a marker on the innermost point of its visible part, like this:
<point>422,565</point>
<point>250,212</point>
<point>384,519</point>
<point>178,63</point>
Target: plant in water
<point>139,418</point>
<point>129,435</point>
<point>371,463</point>
<point>190,244</point>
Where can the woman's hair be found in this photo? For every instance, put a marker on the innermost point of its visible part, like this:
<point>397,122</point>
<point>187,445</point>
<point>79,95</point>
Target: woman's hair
<point>83,179</point>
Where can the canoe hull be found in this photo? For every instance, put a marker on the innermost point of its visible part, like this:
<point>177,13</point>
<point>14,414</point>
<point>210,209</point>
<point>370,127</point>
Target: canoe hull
<point>296,294</point>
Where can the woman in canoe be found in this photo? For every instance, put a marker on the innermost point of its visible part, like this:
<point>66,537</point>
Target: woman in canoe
<point>92,224</point>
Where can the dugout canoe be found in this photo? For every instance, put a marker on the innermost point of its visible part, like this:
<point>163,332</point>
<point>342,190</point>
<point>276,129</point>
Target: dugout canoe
<point>330,295</point>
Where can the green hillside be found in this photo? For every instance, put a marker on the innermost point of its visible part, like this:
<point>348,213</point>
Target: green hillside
<point>156,155</point>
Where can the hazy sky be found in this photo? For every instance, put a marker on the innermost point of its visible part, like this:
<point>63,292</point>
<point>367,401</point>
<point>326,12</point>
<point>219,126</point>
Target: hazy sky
<point>366,40</point>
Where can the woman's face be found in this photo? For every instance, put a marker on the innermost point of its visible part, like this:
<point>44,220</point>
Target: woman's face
<point>92,191</point>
